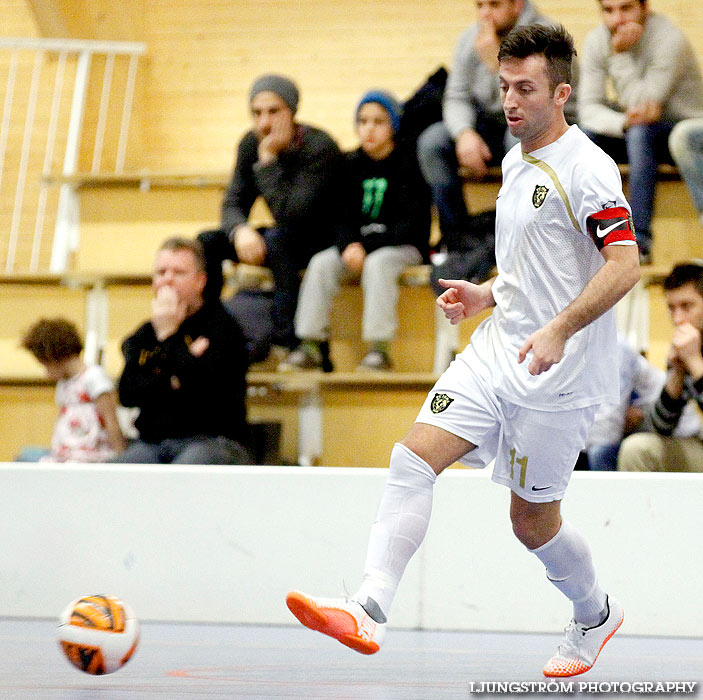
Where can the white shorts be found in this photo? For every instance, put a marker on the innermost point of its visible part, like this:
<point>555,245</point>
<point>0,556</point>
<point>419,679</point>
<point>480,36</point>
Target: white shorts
<point>535,451</point>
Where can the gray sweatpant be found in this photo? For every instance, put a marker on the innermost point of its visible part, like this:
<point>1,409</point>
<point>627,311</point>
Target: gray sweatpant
<point>379,281</point>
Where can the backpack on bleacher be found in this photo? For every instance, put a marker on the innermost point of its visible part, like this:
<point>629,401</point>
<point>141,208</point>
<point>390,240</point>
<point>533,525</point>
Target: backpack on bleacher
<point>422,109</point>
<point>471,258</point>
<point>252,309</point>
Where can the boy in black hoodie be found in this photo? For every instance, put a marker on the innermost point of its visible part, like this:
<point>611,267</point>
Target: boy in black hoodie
<point>386,228</point>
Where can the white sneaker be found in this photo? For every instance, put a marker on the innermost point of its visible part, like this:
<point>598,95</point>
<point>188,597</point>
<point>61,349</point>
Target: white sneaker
<point>579,651</point>
<point>376,360</point>
<point>301,358</point>
<point>343,619</point>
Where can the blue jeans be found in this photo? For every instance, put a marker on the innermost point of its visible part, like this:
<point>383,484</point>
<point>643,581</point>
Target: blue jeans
<point>603,458</point>
<point>686,146</point>
<point>436,153</point>
<point>195,450</point>
<point>643,148</point>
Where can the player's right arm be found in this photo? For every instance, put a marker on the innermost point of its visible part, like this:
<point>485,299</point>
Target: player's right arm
<point>464,299</point>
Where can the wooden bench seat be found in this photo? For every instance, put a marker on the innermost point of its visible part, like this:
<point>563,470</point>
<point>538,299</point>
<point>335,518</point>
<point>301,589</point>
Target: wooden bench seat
<point>342,418</point>
<point>665,171</point>
<point>241,276</point>
<point>320,415</point>
<point>143,179</point>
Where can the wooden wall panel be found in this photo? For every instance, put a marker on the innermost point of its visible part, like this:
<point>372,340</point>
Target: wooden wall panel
<point>27,417</point>
<point>17,19</point>
<point>203,57</point>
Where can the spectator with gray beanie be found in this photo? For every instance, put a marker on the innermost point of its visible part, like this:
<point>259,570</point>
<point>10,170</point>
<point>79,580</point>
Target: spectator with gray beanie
<point>293,166</point>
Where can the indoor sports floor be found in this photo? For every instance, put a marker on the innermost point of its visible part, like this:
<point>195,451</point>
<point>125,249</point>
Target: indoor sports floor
<point>206,662</point>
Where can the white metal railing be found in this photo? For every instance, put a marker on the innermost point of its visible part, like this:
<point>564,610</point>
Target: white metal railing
<point>25,130</point>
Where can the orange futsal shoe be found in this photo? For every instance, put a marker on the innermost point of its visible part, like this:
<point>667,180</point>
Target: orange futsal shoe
<point>579,651</point>
<point>340,618</point>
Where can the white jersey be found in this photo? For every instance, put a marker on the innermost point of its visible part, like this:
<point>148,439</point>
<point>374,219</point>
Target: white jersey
<point>545,256</point>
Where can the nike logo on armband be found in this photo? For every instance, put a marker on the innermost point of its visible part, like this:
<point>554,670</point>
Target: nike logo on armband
<point>603,232</point>
<point>541,488</point>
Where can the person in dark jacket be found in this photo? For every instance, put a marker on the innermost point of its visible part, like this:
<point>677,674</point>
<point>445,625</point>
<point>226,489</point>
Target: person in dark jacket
<point>386,228</point>
<point>293,167</point>
<point>185,369</point>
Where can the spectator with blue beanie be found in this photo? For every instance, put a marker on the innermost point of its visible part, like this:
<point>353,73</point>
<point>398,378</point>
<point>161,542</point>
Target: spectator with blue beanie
<point>385,229</point>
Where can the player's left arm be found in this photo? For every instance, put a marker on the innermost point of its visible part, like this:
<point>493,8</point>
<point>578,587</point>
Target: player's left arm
<point>610,284</point>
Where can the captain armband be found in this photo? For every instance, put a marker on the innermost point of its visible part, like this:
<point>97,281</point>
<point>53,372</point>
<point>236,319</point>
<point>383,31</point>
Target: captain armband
<point>613,225</point>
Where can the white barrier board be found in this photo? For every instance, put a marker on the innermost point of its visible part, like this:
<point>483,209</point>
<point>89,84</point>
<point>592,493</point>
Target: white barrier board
<point>225,544</point>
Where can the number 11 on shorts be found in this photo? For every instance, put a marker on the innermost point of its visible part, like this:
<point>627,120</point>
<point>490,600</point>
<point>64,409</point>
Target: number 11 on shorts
<point>522,461</point>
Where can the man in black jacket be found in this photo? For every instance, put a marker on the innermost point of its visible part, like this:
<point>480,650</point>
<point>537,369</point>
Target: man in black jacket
<point>293,167</point>
<point>185,369</point>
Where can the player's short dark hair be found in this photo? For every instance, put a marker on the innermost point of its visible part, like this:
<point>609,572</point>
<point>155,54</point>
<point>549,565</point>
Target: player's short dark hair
<point>191,244</point>
<point>552,42</point>
<point>53,340</point>
<point>688,272</point>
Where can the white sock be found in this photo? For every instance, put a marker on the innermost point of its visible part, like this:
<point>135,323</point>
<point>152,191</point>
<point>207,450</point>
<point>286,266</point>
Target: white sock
<point>400,526</point>
<point>567,558</point>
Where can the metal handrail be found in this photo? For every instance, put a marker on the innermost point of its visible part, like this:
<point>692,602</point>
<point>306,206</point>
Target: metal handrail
<point>82,51</point>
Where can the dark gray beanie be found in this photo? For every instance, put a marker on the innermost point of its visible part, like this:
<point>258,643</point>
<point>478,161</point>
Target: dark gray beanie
<point>284,87</point>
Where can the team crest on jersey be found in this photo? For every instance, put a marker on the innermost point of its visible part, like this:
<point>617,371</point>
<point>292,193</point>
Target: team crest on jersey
<point>539,195</point>
<point>440,402</point>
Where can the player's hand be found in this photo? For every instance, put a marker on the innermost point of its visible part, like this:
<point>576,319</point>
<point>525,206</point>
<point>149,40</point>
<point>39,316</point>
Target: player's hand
<point>473,154</point>
<point>353,256</point>
<point>626,36</point>
<point>686,346</point>
<point>277,140</point>
<point>547,346</point>
<point>250,245</point>
<point>463,299</point>
<point>167,312</point>
<point>486,45</point>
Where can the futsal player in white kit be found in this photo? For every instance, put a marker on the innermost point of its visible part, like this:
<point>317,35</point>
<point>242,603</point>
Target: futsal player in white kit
<point>525,391</point>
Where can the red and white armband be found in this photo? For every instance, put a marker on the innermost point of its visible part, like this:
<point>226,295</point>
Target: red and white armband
<point>612,225</point>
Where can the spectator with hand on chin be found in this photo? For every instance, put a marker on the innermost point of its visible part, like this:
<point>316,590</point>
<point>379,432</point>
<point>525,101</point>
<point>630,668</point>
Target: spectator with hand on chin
<point>652,69</point>
<point>185,369</point>
<point>669,446</point>
<point>473,133</point>
<point>293,167</point>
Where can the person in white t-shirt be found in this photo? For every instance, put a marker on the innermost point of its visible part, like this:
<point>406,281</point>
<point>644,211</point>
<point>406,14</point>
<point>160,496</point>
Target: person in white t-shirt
<point>525,391</point>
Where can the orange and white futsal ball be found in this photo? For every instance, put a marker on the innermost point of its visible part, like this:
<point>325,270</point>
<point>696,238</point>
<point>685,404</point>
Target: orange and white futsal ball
<point>98,633</point>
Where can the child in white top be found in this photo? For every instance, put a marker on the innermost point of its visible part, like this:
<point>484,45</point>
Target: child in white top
<point>87,429</point>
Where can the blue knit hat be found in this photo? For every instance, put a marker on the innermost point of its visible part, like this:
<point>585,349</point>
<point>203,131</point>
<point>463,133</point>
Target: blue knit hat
<point>284,87</point>
<point>387,101</point>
